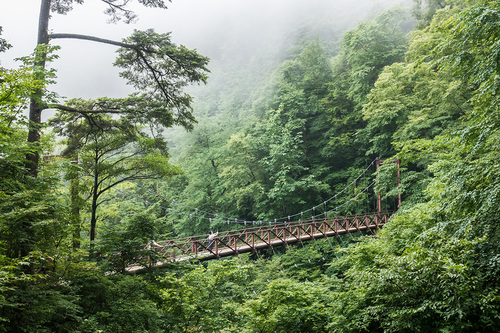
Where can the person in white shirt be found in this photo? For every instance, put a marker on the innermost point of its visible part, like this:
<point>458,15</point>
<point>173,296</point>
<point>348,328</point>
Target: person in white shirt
<point>211,240</point>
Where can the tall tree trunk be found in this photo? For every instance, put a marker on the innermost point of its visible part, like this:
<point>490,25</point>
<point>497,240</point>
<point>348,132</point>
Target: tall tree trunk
<point>75,204</point>
<point>35,110</point>
<point>93,216</point>
<point>34,125</point>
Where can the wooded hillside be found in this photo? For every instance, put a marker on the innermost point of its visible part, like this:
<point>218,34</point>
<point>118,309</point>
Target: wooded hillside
<point>268,140</point>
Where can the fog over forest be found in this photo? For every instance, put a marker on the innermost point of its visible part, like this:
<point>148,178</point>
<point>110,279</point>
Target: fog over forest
<point>233,34</point>
<point>247,42</point>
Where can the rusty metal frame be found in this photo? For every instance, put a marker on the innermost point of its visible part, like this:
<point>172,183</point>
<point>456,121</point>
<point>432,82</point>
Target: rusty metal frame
<point>244,241</point>
<point>289,225</point>
<point>276,234</point>
<point>268,244</point>
<point>235,242</point>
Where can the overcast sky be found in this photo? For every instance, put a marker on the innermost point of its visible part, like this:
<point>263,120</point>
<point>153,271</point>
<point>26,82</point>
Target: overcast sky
<point>85,68</point>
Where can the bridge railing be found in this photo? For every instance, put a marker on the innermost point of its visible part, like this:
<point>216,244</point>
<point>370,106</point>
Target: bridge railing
<point>266,236</point>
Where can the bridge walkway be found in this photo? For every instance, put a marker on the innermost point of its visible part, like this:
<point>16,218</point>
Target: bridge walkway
<point>233,242</point>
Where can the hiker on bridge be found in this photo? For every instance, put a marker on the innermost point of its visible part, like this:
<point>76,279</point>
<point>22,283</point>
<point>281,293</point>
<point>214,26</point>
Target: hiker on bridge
<point>152,244</point>
<point>151,247</point>
<point>211,240</point>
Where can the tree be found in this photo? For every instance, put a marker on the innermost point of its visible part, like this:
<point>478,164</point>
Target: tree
<point>288,306</point>
<point>33,226</point>
<point>28,207</point>
<point>117,302</point>
<point>287,144</point>
<point>370,47</point>
<point>150,61</point>
<point>435,265</point>
<point>304,83</point>
<point>111,150</point>
<point>364,52</point>
<point>410,102</point>
<point>195,300</point>
<point>3,43</point>
<point>200,189</point>
<point>290,183</point>
<point>424,10</point>
<point>243,177</point>
<point>152,64</point>
<point>123,238</point>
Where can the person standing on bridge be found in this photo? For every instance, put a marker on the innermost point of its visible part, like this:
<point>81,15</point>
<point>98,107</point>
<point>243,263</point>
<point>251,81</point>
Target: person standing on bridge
<point>151,247</point>
<point>211,240</point>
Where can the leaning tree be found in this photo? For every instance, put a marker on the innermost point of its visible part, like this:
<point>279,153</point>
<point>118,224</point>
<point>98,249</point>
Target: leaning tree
<point>150,62</point>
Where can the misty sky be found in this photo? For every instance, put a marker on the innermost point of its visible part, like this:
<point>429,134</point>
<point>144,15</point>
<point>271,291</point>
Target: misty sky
<point>213,27</point>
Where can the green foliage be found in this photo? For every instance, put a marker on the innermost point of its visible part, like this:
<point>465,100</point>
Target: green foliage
<point>242,176</point>
<point>307,263</point>
<point>4,45</point>
<point>16,88</point>
<point>31,219</point>
<point>200,188</point>
<point>424,10</point>
<point>298,153</point>
<point>123,242</point>
<point>31,211</point>
<point>286,145</point>
<point>284,161</point>
<point>257,172</point>
<point>408,103</point>
<point>365,51</point>
<point>434,284</point>
<point>433,267</point>
<point>30,302</point>
<point>194,300</point>
<point>471,49</point>
<point>169,69</point>
<point>288,306</point>
<point>467,178</point>
<point>105,308</point>
<point>370,47</point>
<point>111,151</point>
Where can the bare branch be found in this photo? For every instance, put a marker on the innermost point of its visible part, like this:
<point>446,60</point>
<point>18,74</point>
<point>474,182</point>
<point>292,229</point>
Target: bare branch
<point>93,39</point>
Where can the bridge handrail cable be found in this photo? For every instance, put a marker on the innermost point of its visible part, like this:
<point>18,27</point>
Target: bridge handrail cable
<point>241,221</point>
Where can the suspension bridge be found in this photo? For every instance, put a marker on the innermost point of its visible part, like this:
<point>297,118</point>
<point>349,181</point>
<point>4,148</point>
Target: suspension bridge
<point>234,242</point>
<point>261,235</point>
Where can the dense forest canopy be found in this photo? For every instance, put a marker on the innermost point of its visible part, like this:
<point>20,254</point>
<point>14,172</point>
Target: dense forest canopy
<point>273,132</point>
